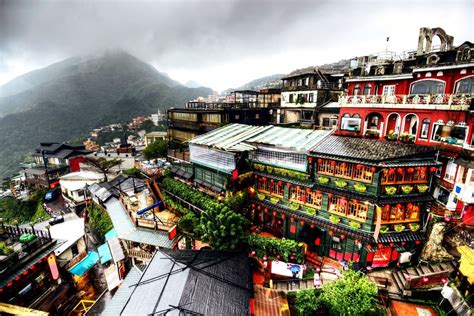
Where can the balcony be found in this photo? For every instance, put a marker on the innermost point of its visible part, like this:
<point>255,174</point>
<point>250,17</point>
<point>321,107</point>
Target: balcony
<point>453,102</point>
<point>319,86</point>
<point>464,192</point>
<point>139,254</point>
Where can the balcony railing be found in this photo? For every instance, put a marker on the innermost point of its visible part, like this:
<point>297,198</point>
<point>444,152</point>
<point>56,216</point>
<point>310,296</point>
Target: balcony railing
<point>460,102</point>
<point>139,254</point>
<point>320,86</point>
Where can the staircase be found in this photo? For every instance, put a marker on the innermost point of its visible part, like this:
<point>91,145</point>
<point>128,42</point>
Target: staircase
<point>288,285</point>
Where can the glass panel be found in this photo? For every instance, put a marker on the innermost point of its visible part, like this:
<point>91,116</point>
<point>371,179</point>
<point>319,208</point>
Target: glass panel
<point>282,159</point>
<point>212,158</point>
<point>428,87</point>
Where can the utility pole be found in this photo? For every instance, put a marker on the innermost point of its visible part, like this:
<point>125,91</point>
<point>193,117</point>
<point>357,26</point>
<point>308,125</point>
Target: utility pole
<point>45,163</point>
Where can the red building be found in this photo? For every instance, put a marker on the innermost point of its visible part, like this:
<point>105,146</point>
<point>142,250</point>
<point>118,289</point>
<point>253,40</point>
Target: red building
<point>423,97</point>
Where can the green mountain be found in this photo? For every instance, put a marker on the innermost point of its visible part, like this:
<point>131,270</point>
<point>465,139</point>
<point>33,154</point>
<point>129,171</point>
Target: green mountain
<point>66,100</point>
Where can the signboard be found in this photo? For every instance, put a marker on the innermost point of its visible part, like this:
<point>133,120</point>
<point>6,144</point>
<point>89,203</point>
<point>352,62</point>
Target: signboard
<point>116,249</point>
<point>53,267</point>
<point>112,277</point>
<point>378,222</point>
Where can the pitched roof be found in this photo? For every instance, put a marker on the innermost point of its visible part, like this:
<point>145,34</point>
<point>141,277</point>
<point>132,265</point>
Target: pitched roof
<point>366,149</point>
<point>204,282</point>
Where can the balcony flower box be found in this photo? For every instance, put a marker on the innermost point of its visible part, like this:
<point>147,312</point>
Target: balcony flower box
<point>341,183</point>
<point>359,187</point>
<point>334,219</point>
<point>294,206</point>
<point>399,228</point>
<point>261,196</point>
<point>390,190</point>
<point>275,200</point>
<point>422,188</point>
<point>355,225</point>
<point>406,189</point>
<point>414,227</point>
<point>371,134</point>
<point>391,136</point>
<point>323,180</point>
<point>407,138</point>
<point>310,210</point>
<point>384,229</point>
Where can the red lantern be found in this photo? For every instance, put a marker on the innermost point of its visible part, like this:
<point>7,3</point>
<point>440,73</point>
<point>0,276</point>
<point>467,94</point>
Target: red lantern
<point>380,246</point>
<point>292,219</point>
<point>297,187</point>
<point>264,179</point>
<point>312,226</point>
<point>310,159</point>
<point>308,190</point>
<point>333,163</point>
<point>288,185</point>
<point>423,169</point>
<point>387,207</point>
<point>425,279</point>
<point>400,170</point>
<point>410,170</point>
<point>259,207</point>
<point>417,242</point>
<point>359,166</point>
<point>271,181</point>
<point>256,177</point>
<point>403,243</point>
<point>320,161</point>
<point>274,213</point>
<point>355,201</point>
<point>318,192</point>
<point>399,206</point>
<point>343,165</point>
<point>253,205</point>
<point>392,244</point>
<point>283,216</point>
<point>343,236</point>
<point>410,205</point>
<point>433,169</point>
<point>373,169</point>
<point>331,233</point>
<point>330,195</point>
<point>279,182</point>
<point>266,210</point>
<point>302,223</point>
<point>17,278</point>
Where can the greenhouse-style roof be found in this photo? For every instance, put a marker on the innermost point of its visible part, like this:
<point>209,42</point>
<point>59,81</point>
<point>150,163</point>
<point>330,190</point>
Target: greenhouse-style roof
<point>291,138</point>
<point>230,137</point>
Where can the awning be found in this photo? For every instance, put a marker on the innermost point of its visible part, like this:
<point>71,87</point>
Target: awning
<point>104,253</point>
<point>110,234</point>
<point>467,163</point>
<point>85,264</point>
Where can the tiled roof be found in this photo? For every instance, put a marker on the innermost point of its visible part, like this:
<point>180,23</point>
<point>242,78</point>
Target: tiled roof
<point>400,237</point>
<point>366,149</point>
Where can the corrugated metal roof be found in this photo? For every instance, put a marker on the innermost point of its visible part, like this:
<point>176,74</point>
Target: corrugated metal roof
<point>115,305</point>
<point>230,137</point>
<point>126,229</point>
<point>292,138</point>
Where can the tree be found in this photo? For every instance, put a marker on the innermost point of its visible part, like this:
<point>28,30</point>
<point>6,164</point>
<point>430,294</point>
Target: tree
<point>156,149</point>
<point>222,228</point>
<point>102,164</point>
<point>307,303</point>
<point>351,295</point>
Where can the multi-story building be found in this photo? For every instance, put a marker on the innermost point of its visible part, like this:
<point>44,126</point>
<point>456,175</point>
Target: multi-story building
<point>347,198</point>
<point>422,97</point>
<point>304,95</point>
<point>53,160</point>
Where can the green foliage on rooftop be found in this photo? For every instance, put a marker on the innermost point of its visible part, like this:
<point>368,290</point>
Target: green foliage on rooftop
<point>273,247</point>
<point>98,220</point>
<point>13,211</point>
<point>156,149</point>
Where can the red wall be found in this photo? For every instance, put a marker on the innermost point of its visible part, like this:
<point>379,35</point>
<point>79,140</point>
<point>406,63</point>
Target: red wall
<point>74,163</point>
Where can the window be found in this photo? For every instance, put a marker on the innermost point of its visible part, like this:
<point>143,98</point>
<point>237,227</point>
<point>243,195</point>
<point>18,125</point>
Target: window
<point>257,116</point>
<point>291,98</point>
<point>455,135</point>
<point>450,171</point>
<point>326,121</point>
<point>350,123</point>
<point>311,98</point>
<point>270,186</point>
<point>212,158</point>
<point>465,85</point>
<point>351,209</point>
<point>304,195</point>
<point>237,116</point>
<point>345,170</point>
<point>286,160</point>
<point>425,128</point>
<point>393,176</point>
<point>367,89</point>
<point>388,90</point>
<point>356,90</point>
<point>427,87</point>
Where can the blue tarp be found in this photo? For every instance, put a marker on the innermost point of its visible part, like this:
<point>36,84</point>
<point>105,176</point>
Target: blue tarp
<point>85,264</point>
<point>110,234</point>
<point>104,253</point>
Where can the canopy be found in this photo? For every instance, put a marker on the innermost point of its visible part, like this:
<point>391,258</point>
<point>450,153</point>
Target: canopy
<point>110,234</point>
<point>85,264</point>
<point>104,253</point>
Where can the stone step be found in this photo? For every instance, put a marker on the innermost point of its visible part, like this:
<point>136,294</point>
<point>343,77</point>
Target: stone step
<point>419,272</point>
<point>398,281</point>
<point>436,268</point>
<point>411,271</point>
<point>426,269</point>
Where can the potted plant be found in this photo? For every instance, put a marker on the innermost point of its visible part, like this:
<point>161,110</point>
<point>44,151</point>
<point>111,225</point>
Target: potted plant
<point>354,225</point>
<point>334,219</point>
<point>414,226</point>
<point>274,200</point>
<point>406,189</point>
<point>294,206</point>
<point>399,228</point>
<point>422,188</point>
<point>310,210</point>
<point>341,183</point>
<point>390,190</point>
<point>261,196</point>
<point>391,135</point>
<point>359,187</point>
<point>269,169</point>
<point>323,180</point>
<point>384,229</point>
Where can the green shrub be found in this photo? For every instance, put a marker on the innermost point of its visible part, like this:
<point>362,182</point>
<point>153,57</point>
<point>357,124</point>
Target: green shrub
<point>273,246</point>
<point>307,302</point>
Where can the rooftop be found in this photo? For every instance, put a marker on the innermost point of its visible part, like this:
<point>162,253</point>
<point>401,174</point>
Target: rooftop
<point>366,149</point>
<point>199,282</point>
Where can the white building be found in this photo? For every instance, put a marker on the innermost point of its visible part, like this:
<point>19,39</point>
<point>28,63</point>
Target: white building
<point>73,185</point>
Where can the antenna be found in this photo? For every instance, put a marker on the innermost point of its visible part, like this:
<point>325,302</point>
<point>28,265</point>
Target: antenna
<point>386,45</point>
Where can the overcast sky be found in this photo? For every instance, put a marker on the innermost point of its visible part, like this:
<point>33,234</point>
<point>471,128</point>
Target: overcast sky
<point>219,43</point>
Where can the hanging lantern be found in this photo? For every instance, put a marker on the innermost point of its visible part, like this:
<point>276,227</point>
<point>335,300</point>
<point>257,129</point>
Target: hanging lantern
<point>17,278</point>
<point>283,216</point>
<point>274,213</point>
<point>380,246</point>
<point>288,185</point>
<point>266,210</point>
<point>355,201</point>
<point>279,182</point>
<point>256,177</point>
<point>264,179</point>
<point>259,207</point>
<point>278,257</point>
<point>310,159</point>
<point>410,170</point>
<point>271,180</point>
<point>320,161</point>
<point>343,236</point>
<point>387,207</point>
<point>265,258</point>
<point>330,195</point>
<point>333,163</point>
<point>331,233</point>
<point>292,257</point>
<point>302,223</point>
<point>312,226</point>
<point>359,166</point>
<point>423,169</point>
<point>292,219</point>
<point>403,243</point>
<point>253,205</point>
<point>425,279</point>
<point>392,244</point>
<point>399,206</point>
<point>433,169</point>
<point>343,165</point>
<point>391,171</point>
<point>410,206</point>
<point>400,170</point>
<point>417,242</point>
<point>298,187</point>
<point>308,190</point>
<point>373,169</point>
<point>444,280</point>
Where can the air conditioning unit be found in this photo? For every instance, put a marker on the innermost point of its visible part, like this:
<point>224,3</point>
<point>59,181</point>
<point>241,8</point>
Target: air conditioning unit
<point>405,257</point>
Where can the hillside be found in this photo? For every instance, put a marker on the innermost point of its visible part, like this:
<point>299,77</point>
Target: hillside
<point>257,84</point>
<point>68,99</point>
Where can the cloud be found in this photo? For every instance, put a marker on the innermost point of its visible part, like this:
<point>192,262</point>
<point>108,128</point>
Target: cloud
<point>219,43</point>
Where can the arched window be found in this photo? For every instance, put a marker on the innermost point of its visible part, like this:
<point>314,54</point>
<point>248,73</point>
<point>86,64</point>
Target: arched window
<point>367,89</point>
<point>465,85</point>
<point>425,128</point>
<point>428,87</point>
<point>356,90</point>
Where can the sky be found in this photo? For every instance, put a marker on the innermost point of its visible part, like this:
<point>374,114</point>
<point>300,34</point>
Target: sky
<point>220,43</point>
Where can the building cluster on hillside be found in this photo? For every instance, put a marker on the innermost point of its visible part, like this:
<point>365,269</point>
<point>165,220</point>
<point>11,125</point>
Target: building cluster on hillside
<point>355,166</point>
